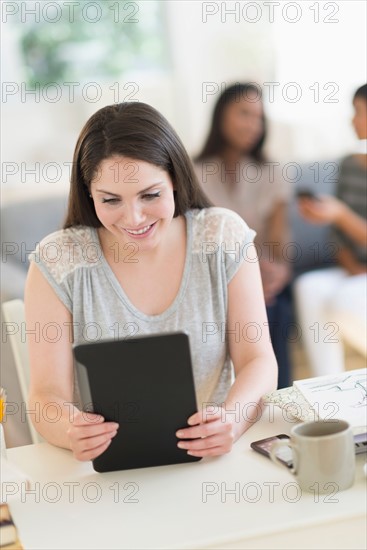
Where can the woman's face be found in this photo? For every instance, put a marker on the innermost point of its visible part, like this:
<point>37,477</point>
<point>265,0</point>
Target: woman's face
<point>133,200</point>
<point>242,124</point>
<point>360,117</point>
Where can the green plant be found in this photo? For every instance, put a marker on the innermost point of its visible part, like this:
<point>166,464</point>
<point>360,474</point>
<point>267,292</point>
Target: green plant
<point>124,36</point>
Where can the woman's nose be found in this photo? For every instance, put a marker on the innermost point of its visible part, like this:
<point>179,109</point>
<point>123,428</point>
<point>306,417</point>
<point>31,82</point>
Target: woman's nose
<point>134,216</point>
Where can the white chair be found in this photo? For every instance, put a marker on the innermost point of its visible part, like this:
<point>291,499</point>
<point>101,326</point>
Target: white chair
<point>13,315</point>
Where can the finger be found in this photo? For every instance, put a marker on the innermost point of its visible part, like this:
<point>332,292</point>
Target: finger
<point>204,430</point>
<point>91,454</point>
<point>85,432</point>
<point>91,443</point>
<point>88,446</point>
<point>86,418</point>
<point>203,444</point>
<point>80,434</point>
<point>207,414</point>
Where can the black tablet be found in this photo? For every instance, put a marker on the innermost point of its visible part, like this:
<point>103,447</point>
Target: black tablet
<point>145,384</point>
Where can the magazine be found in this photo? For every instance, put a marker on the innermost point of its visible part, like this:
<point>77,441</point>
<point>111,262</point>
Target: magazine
<point>337,396</point>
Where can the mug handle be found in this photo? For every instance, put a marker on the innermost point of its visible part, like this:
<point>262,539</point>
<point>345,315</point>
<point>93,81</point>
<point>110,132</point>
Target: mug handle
<point>276,446</point>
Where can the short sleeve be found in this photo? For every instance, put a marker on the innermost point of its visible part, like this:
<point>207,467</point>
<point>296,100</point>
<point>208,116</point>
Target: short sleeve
<point>60,254</point>
<point>222,234</point>
<point>48,258</point>
<point>237,243</point>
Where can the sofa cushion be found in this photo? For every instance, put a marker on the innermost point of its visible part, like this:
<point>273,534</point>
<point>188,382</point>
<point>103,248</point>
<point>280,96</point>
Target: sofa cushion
<point>312,248</point>
<point>23,224</point>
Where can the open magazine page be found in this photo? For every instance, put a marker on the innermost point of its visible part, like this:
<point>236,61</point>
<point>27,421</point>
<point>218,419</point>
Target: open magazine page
<point>338,396</point>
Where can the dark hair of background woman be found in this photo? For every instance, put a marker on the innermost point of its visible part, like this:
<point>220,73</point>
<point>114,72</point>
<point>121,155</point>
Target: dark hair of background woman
<point>216,143</point>
<point>361,92</point>
<point>137,131</point>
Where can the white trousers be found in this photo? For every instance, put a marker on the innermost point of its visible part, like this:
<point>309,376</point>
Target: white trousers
<point>331,307</point>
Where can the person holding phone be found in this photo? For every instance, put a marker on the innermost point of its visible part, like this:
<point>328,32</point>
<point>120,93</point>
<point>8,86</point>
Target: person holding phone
<point>331,303</point>
<point>143,250</point>
<point>234,173</point>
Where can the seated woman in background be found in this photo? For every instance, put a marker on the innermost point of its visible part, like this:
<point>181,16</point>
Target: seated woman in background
<point>234,174</point>
<point>133,250</point>
<point>332,303</point>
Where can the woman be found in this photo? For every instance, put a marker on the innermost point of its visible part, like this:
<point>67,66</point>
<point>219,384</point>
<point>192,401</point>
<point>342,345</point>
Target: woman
<point>234,174</point>
<point>134,252</point>
<point>332,303</point>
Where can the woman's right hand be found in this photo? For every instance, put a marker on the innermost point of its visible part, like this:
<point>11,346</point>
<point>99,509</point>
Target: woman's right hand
<point>90,435</point>
<point>326,209</point>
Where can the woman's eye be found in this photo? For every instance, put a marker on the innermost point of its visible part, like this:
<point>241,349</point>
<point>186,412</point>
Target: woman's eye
<point>110,201</point>
<point>151,196</point>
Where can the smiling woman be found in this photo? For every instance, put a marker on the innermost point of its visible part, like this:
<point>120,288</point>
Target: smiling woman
<point>135,207</point>
<point>142,247</point>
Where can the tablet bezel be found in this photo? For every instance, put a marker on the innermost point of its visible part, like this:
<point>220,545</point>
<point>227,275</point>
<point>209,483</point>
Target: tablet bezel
<point>148,423</point>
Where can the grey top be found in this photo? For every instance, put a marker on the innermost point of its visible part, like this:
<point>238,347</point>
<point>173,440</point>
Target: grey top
<point>352,189</point>
<point>217,244</point>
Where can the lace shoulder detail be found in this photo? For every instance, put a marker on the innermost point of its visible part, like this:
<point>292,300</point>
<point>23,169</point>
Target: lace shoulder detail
<point>66,250</point>
<point>218,227</point>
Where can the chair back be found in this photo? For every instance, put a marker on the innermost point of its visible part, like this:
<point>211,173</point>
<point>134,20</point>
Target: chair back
<point>13,315</point>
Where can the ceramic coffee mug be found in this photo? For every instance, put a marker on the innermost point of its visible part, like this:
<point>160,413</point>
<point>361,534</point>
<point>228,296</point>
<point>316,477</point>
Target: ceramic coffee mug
<point>323,453</point>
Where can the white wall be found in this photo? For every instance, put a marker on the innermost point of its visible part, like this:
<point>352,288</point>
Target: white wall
<point>207,55</point>
<point>328,55</point>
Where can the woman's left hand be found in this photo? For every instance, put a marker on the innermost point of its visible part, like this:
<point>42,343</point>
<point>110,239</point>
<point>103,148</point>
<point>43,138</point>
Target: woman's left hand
<point>211,433</point>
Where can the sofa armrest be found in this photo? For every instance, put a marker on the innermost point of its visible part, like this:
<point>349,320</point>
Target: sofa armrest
<point>13,277</point>
<point>312,246</point>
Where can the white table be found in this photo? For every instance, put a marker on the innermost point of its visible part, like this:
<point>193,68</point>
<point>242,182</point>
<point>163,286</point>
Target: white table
<point>184,506</point>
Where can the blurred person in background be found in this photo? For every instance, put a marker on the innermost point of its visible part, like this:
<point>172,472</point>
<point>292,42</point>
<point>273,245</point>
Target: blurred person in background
<point>235,174</point>
<point>336,298</point>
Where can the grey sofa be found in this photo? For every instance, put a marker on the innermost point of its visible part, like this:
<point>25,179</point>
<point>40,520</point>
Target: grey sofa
<point>23,224</point>
<point>312,243</point>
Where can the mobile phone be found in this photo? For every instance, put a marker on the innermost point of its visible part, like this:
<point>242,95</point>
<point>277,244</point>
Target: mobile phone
<point>306,194</point>
<point>360,443</point>
<point>284,454</point>
<point>263,446</point>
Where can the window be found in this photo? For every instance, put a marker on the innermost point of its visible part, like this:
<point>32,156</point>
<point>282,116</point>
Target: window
<point>84,41</point>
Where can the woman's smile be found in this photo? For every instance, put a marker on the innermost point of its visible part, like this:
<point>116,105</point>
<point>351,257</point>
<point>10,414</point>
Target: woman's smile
<point>140,233</point>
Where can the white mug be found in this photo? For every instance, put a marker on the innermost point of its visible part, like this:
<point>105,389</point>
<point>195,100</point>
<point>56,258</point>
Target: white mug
<point>323,453</point>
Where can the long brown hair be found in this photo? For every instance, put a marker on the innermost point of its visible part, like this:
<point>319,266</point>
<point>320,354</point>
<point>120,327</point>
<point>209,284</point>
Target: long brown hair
<point>215,142</point>
<point>138,131</point>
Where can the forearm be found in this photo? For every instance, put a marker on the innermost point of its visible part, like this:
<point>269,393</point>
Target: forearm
<point>258,377</point>
<point>52,417</point>
<point>352,225</point>
<point>278,233</point>
<point>349,263</point>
